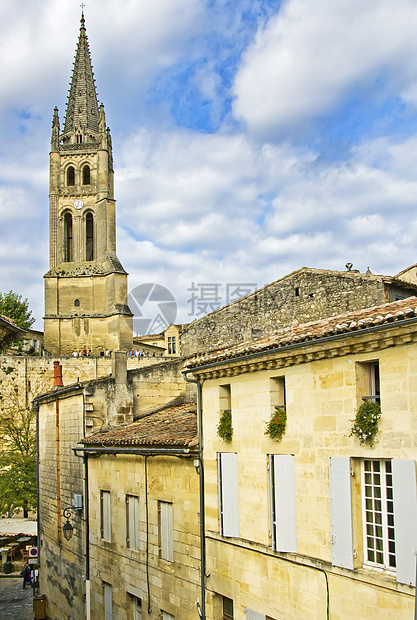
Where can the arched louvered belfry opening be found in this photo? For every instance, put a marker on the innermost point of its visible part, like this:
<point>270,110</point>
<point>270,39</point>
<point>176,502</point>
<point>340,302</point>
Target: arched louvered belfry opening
<point>68,242</point>
<point>86,175</point>
<point>89,237</point>
<point>70,175</point>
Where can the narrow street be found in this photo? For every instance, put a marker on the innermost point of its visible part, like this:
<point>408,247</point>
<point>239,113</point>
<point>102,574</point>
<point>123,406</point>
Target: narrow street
<point>15,603</point>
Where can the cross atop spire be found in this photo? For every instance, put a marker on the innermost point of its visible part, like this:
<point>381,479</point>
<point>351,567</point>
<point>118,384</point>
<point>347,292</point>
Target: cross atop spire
<point>82,114</point>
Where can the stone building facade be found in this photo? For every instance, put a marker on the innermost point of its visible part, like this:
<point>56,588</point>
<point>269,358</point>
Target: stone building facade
<point>317,524</point>
<point>86,286</point>
<point>65,416</point>
<point>301,296</point>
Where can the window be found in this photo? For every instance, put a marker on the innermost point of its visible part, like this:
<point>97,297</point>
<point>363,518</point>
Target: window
<point>389,515</point>
<point>166,616</point>
<point>86,175</point>
<point>367,380</point>
<point>70,175</point>
<point>137,608</point>
<point>254,615</point>
<point>277,393</point>
<point>166,531</point>
<point>172,348</point>
<point>105,523</point>
<point>132,521</point>
<point>378,510</point>
<point>228,494</point>
<point>107,601</point>
<point>225,398</point>
<point>282,501</point>
<point>227,608</point>
<point>76,303</point>
<point>68,238</point>
<point>89,237</point>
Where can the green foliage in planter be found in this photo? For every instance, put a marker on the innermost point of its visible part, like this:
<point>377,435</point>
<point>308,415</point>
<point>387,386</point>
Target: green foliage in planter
<point>275,428</point>
<point>224,427</point>
<point>365,424</point>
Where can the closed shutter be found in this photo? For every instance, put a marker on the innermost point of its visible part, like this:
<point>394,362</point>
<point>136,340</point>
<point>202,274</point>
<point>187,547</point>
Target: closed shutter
<point>228,494</point>
<point>283,503</point>
<point>341,511</point>
<point>405,519</point>
<point>166,523</point>
<point>108,612</point>
<point>254,615</point>
<point>133,521</point>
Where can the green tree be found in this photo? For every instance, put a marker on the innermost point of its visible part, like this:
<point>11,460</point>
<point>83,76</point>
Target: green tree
<point>14,307</point>
<point>18,459</point>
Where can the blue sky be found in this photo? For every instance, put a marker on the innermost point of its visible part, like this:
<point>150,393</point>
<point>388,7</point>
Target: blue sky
<point>250,137</point>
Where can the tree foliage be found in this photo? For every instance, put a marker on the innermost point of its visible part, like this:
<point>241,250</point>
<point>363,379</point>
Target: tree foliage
<point>14,307</point>
<point>18,457</point>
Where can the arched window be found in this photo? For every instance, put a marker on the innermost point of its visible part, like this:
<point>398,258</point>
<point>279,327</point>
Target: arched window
<point>68,238</point>
<point>86,175</point>
<point>89,237</point>
<point>70,175</point>
<point>76,302</point>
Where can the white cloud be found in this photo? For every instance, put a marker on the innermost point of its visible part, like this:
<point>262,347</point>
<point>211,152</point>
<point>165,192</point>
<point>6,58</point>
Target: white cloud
<point>313,52</point>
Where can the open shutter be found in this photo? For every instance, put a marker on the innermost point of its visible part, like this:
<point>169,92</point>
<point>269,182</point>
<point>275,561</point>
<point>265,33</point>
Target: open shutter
<point>228,494</point>
<point>341,511</point>
<point>405,519</point>
<point>254,615</point>
<point>283,488</point>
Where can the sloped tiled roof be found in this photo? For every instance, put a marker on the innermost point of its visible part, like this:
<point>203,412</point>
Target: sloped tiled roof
<point>354,321</point>
<point>173,426</point>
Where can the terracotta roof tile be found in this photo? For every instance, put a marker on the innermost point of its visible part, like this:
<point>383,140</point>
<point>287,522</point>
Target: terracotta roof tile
<point>173,426</point>
<point>344,323</point>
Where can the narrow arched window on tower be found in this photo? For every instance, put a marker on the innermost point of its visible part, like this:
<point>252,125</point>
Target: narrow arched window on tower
<point>70,175</point>
<point>68,238</point>
<point>86,175</point>
<point>89,237</point>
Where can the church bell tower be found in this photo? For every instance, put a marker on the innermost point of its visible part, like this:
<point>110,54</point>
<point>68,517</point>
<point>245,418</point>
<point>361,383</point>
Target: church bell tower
<point>86,285</point>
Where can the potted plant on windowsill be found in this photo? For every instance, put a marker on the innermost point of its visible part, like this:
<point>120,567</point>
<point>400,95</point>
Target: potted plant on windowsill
<point>275,427</point>
<point>365,424</point>
<point>224,427</point>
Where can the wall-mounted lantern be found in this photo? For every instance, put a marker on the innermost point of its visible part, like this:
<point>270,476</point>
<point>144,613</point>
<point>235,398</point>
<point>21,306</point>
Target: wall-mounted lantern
<point>68,528</point>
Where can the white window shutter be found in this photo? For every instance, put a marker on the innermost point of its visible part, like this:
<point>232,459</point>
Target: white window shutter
<point>405,519</point>
<point>108,612</point>
<point>341,511</point>
<point>285,503</point>
<point>228,491</point>
<point>167,542</point>
<point>254,615</point>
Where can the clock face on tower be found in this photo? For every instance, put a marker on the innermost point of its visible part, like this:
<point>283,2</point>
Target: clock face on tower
<point>78,204</point>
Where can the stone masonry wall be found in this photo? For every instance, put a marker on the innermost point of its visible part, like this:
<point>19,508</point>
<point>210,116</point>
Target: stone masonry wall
<point>302,296</point>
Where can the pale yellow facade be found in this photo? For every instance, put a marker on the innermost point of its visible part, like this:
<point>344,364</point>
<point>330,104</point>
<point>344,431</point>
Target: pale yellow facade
<point>143,574</point>
<point>324,384</point>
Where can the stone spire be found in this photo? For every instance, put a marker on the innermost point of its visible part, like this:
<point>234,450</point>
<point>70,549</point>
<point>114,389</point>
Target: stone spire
<point>82,115</point>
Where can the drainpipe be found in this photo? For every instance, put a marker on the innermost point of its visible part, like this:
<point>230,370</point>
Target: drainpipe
<point>201,608</point>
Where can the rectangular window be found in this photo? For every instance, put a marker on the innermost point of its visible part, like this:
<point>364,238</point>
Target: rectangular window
<point>389,515</point>
<point>137,608</point>
<point>172,345</point>
<point>228,494</point>
<point>283,504</point>
<point>254,615</point>
<point>277,392</point>
<point>367,381</point>
<point>107,601</point>
<point>225,401</point>
<point>166,616</point>
<point>105,522</point>
<point>378,510</point>
<point>132,521</point>
<point>166,531</point>
<point>227,608</point>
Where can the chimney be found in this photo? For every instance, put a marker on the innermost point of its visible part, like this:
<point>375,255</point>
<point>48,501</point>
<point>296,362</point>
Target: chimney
<point>119,367</point>
<point>57,375</point>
